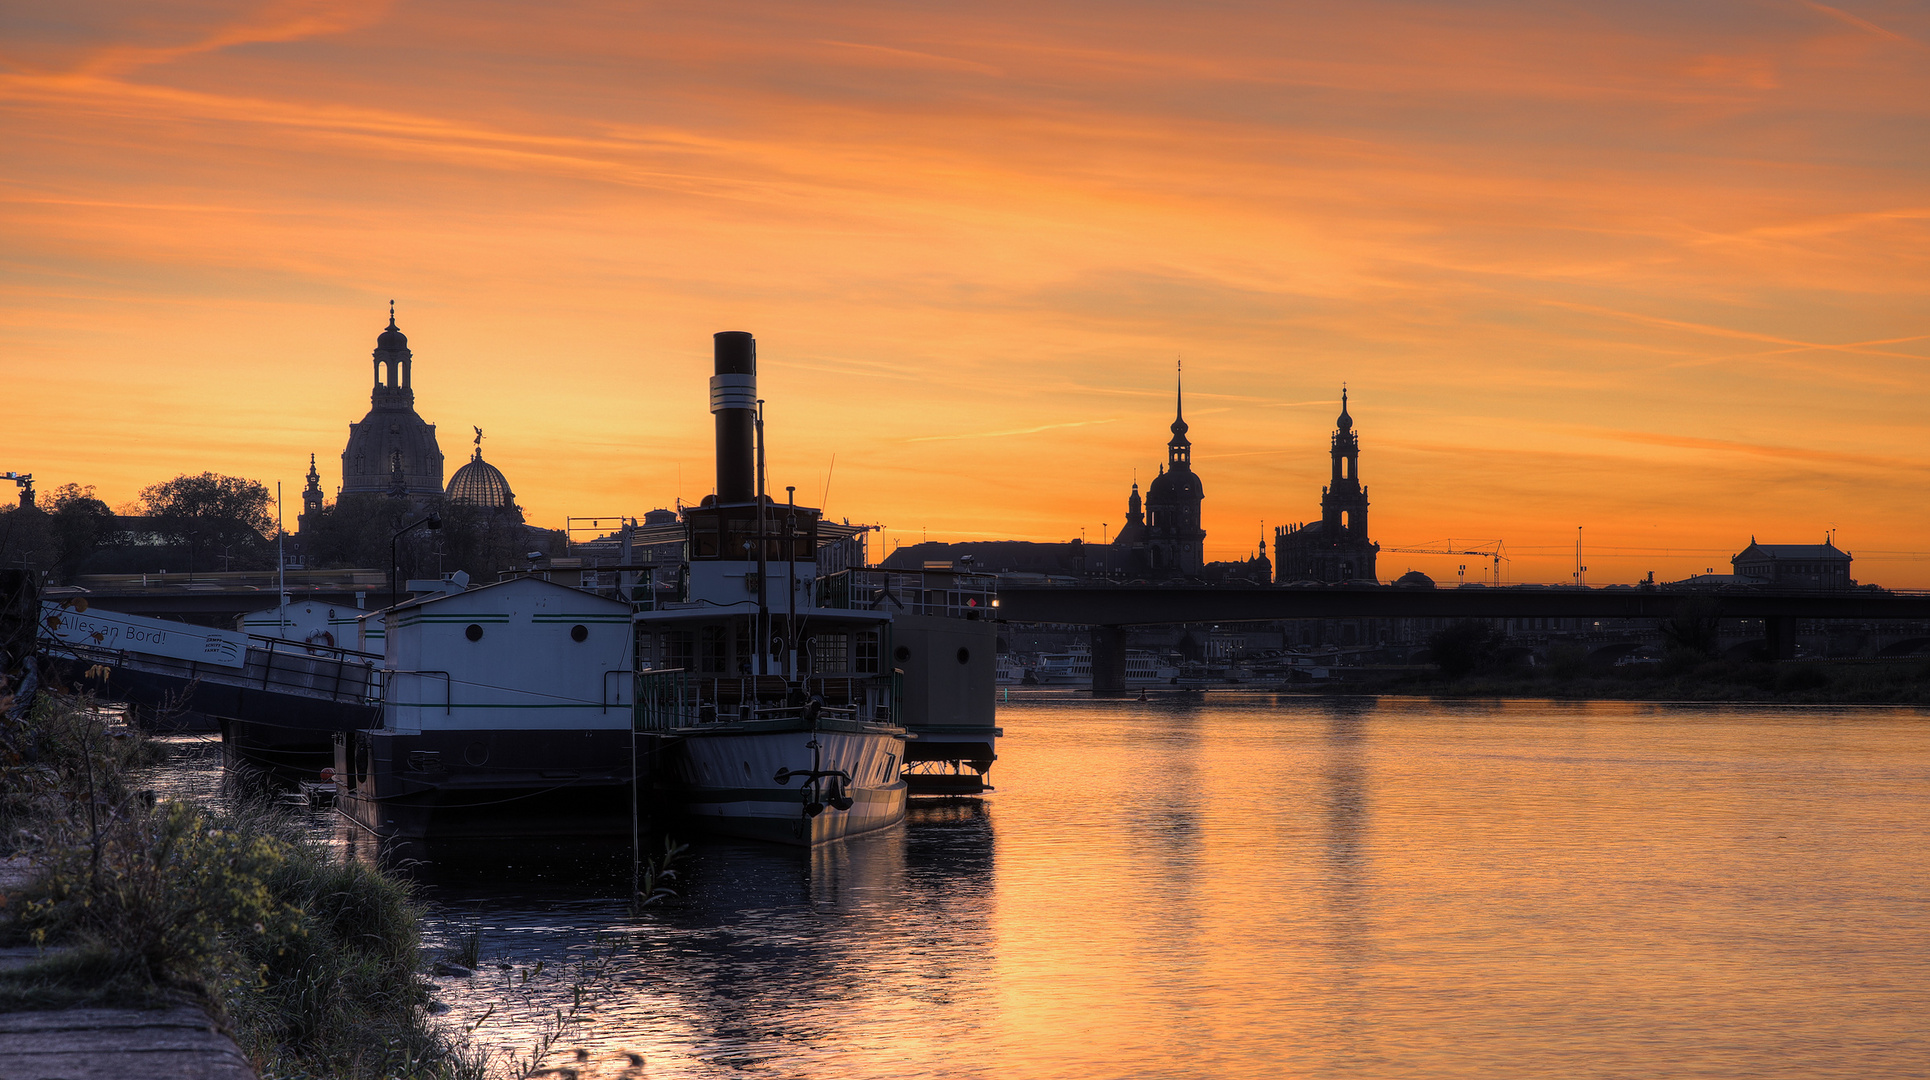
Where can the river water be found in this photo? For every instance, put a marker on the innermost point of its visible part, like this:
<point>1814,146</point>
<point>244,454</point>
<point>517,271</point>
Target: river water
<point>1269,886</point>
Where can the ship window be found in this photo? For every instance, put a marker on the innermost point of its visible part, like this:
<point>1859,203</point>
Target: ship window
<point>579,632</point>
<point>474,633</point>
<point>679,650</point>
<point>865,662</point>
<point>829,654</point>
<point>704,540</point>
<point>964,655</point>
<point>901,654</point>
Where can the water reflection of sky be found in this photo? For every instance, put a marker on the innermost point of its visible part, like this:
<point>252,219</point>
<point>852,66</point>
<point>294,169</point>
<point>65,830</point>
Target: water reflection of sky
<point>1265,887</point>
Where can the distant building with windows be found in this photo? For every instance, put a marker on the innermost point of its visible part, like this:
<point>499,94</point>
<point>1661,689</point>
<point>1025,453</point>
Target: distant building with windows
<point>1794,566</point>
<point>1335,548</point>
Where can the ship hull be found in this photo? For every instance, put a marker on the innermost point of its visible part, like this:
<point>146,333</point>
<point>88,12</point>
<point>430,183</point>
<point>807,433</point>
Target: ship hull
<point>487,784</point>
<point>724,779</point>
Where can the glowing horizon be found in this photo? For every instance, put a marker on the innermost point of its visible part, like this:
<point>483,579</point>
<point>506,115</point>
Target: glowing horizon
<point>1657,273</point>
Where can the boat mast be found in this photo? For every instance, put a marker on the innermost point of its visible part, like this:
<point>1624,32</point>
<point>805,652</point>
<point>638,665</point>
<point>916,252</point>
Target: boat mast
<point>762,640</point>
<point>790,581</point>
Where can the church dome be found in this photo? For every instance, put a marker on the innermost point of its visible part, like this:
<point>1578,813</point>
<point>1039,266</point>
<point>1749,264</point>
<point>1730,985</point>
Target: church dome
<point>1174,485</point>
<point>481,484</point>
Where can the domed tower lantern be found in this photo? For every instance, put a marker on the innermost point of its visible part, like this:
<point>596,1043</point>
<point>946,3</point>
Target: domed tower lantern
<point>392,451</point>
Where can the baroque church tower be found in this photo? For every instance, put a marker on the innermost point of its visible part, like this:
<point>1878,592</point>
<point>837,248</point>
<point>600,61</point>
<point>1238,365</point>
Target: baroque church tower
<point>392,451</point>
<point>1335,548</point>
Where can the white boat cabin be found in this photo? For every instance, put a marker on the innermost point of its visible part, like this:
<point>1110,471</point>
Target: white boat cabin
<point>310,622</point>
<point>752,628</point>
<point>516,655</point>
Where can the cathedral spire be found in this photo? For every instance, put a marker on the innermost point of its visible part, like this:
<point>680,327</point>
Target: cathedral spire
<point>1179,449</point>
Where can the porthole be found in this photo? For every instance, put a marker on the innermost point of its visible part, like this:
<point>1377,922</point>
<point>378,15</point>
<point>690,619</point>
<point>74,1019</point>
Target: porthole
<point>579,632</point>
<point>964,655</point>
<point>474,633</point>
<point>901,654</point>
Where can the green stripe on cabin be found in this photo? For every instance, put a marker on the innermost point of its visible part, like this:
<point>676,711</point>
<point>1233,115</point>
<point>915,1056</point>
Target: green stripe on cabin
<point>485,705</point>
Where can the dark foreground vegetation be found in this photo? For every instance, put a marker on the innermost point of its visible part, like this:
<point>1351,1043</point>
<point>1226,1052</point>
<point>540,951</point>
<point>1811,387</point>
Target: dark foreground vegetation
<point>1468,662</point>
<point>312,964</point>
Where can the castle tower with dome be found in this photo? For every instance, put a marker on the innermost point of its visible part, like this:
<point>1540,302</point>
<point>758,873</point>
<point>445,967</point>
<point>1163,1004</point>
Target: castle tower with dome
<point>392,451</point>
<point>1162,536</point>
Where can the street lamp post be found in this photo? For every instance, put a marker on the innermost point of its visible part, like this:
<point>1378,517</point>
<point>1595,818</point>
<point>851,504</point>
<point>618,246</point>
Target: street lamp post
<point>433,521</point>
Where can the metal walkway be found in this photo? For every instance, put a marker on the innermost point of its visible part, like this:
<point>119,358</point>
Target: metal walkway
<point>171,666</point>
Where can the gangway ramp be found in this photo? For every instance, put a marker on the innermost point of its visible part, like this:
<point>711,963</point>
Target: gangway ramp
<point>280,699</point>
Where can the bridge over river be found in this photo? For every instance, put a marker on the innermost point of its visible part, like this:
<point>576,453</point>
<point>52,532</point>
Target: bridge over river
<point>1110,609</point>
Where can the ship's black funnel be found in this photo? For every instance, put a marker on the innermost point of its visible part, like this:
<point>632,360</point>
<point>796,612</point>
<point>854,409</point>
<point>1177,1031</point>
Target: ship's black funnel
<point>733,400</point>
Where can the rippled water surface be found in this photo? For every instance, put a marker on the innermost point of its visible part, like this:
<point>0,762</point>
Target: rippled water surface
<point>1266,887</point>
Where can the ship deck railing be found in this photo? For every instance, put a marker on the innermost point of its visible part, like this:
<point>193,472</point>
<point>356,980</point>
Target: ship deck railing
<point>669,698</point>
<point>951,594</point>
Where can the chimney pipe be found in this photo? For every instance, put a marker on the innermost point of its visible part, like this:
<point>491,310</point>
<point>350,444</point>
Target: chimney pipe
<point>733,400</point>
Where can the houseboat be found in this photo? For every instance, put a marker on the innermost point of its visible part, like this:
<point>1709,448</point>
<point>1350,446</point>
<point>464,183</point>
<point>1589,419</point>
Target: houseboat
<point>507,711</point>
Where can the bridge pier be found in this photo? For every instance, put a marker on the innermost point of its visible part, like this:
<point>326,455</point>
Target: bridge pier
<point>1779,637</point>
<point>1108,659</point>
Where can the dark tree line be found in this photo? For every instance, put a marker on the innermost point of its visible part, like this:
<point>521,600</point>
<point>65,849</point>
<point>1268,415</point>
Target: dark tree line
<point>189,523</point>
<point>208,522</point>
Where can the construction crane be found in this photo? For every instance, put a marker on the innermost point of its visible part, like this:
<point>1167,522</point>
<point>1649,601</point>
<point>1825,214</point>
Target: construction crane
<point>26,482</point>
<point>1492,550</point>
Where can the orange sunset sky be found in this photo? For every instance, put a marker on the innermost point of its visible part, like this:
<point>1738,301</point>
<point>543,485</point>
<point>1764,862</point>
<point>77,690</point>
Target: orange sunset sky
<point>1661,270</point>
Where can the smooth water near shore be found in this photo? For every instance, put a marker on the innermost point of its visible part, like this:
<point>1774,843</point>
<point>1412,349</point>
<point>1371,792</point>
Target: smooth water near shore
<point>1258,887</point>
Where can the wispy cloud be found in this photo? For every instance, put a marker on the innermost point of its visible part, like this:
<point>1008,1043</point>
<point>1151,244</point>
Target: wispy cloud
<point>1013,431</point>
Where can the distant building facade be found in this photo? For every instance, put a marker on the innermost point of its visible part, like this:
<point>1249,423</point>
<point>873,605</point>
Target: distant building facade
<point>392,451</point>
<point>1162,537</point>
<point>1794,566</point>
<point>1337,547</point>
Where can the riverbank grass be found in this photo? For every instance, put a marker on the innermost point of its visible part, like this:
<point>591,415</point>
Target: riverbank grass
<point>315,965</point>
